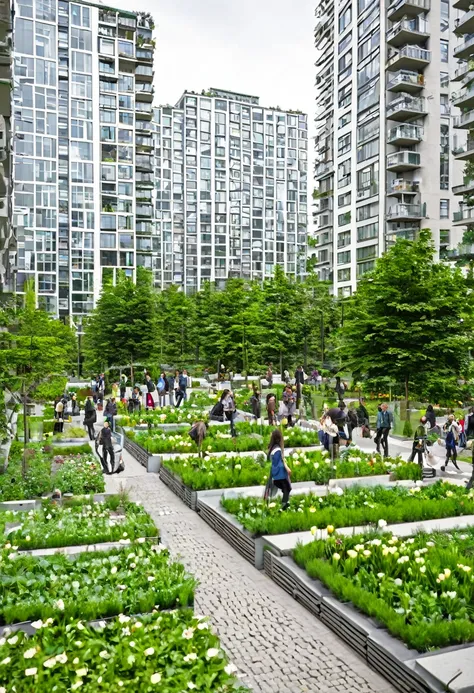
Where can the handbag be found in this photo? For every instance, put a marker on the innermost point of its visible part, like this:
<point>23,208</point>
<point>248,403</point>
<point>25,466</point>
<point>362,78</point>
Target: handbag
<point>366,432</point>
<point>282,409</point>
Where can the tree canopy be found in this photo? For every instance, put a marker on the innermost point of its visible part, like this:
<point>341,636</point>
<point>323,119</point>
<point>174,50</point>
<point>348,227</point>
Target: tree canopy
<point>410,320</point>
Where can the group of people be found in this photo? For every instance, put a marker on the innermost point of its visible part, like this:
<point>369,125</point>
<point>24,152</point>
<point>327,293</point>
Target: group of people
<point>174,387</point>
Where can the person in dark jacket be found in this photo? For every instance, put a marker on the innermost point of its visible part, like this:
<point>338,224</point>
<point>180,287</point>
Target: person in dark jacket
<point>470,424</point>
<point>123,386</point>
<point>110,412</point>
<point>135,401</point>
<point>90,417</point>
<point>280,471</point>
<point>150,386</point>
<point>170,380</point>
<point>419,442</point>
<point>180,385</point>
<point>256,404</point>
<point>362,414</point>
<point>299,376</point>
<point>106,440</point>
<point>384,424</point>
<point>352,420</point>
<point>430,416</point>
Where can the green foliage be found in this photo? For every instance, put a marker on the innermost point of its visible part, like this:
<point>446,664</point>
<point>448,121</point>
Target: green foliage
<point>57,578</point>
<point>48,390</point>
<point>420,588</point>
<point>354,507</point>
<point>407,429</point>
<point>410,320</point>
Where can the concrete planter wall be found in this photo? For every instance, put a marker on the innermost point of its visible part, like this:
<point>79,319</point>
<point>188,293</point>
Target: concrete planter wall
<point>174,482</point>
<point>67,442</point>
<point>407,670</point>
<point>151,462</point>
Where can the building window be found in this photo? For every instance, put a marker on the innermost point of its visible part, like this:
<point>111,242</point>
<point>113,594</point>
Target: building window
<point>368,251</point>
<point>343,239</point>
<point>344,144</point>
<point>344,275</point>
<point>345,18</point>
<point>344,257</point>
<point>344,199</point>
<point>444,23</point>
<point>344,120</point>
<point>444,172</point>
<point>444,47</point>
<point>364,267</point>
<point>444,80</point>
<point>444,104</point>
<point>365,233</point>
<point>367,211</point>
<point>444,209</point>
<point>345,96</point>
<point>344,219</point>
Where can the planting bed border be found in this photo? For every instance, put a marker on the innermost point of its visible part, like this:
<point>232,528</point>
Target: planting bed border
<point>370,639</point>
<point>188,495</point>
<point>75,549</point>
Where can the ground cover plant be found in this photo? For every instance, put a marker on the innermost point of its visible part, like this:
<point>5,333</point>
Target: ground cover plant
<point>420,588</point>
<point>86,523</point>
<point>354,506</point>
<point>134,579</point>
<point>250,436</point>
<point>232,470</point>
<point>170,651</point>
<point>163,415</point>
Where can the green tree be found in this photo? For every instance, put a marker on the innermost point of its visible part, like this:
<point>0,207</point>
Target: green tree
<point>410,319</point>
<point>122,329</point>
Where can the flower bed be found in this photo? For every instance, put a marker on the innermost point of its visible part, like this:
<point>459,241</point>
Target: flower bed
<point>353,507</point>
<point>232,470</point>
<point>54,526</point>
<point>77,473</point>
<point>164,415</point>
<point>135,579</point>
<point>163,652</point>
<point>249,437</point>
<point>421,588</point>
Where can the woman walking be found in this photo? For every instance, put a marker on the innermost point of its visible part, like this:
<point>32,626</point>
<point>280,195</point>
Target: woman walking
<point>90,417</point>
<point>271,408</point>
<point>150,386</point>
<point>453,431</point>
<point>227,400</point>
<point>288,404</point>
<point>280,471</point>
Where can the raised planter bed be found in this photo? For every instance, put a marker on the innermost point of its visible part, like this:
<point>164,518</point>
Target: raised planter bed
<point>150,462</point>
<point>406,669</point>
<point>174,482</point>
<point>83,548</point>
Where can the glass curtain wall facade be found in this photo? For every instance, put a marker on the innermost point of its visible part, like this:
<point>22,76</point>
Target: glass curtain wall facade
<point>7,237</point>
<point>83,147</point>
<point>383,102</point>
<point>231,189</point>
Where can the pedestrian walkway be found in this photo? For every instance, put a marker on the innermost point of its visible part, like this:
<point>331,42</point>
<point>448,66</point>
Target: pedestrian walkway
<point>277,646</point>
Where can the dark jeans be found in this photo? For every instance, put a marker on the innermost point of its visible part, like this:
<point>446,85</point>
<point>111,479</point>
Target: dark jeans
<point>451,453</point>
<point>229,415</point>
<point>106,452</point>
<point>90,430</point>
<point>470,483</point>
<point>285,487</point>
<point>382,437</point>
<point>179,397</point>
<point>416,451</point>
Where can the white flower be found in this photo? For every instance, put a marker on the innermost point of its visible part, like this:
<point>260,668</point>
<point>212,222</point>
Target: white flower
<point>75,660</point>
<point>382,524</point>
<point>141,540</point>
<point>155,678</point>
<point>313,530</point>
<point>451,595</point>
<point>447,572</point>
<point>398,582</point>
<point>59,604</point>
<point>230,668</point>
<point>49,516</point>
<point>151,578</point>
<point>191,685</point>
<point>149,651</point>
<point>77,684</point>
<point>31,672</point>
<point>123,619</point>
<point>13,640</point>
<point>3,689</point>
<point>337,556</point>
<point>104,654</point>
<point>380,575</point>
<point>352,554</point>
<point>113,570</point>
<point>271,505</point>
<point>28,654</point>
<point>188,633</point>
<point>7,660</point>
<point>190,657</point>
<point>61,658</point>
<point>423,569</point>
<point>27,538</point>
<point>78,643</point>
<point>366,552</point>
<point>80,625</point>
<point>212,652</point>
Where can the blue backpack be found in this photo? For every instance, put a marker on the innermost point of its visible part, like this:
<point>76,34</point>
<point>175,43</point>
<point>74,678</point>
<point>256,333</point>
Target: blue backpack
<point>450,440</point>
<point>160,384</point>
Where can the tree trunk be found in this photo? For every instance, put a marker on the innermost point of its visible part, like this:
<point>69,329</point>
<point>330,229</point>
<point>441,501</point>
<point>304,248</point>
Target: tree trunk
<point>25,430</point>
<point>281,362</point>
<point>305,351</point>
<point>131,372</point>
<point>406,398</point>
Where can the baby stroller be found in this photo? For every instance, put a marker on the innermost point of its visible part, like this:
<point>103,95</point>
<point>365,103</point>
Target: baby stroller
<point>114,465</point>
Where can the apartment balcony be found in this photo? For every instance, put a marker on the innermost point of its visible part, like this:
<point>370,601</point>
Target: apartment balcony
<point>144,92</point>
<point>144,180</point>
<point>408,82</point>
<point>462,4</point>
<point>401,187</point>
<point>408,31</point>
<point>461,72</point>
<point>409,58</point>
<point>464,98</point>
<point>406,212</point>
<point>463,251</point>
<point>405,135</point>
<point>144,72</point>
<point>325,220</point>
<point>467,188</point>
<point>407,8</point>
<point>323,169</point>
<point>144,163</point>
<point>144,210</point>
<point>465,24</point>
<point>128,22</point>
<point>466,152</point>
<point>408,232</point>
<point>464,217</point>
<point>406,107</point>
<point>403,161</point>
<point>464,121</point>
<point>107,17</point>
<point>325,205</point>
<point>143,110</point>
<point>145,55</point>
<point>465,49</point>
<point>142,126</point>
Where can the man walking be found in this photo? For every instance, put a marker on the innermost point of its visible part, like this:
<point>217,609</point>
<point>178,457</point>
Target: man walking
<point>384,424</point>
<point>299,380</point>
<point>106,440</point>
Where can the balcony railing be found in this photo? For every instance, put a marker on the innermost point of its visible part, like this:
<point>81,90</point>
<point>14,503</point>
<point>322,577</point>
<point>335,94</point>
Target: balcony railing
<point>416,25</point>
<point>323,168</point>
<point>465,188</point>
<point>404,211</point>
<point>463,250</point>
<point>466,120</point>
<point>406,158</point>
<point>466,215</point>
<point>465,49</point>
<point>405,132</point>
<point>406,103</point>
<point>409,54</point>
<point>465,23</point>
<point>368,191</point>
<point>406,78</point>
<point>463,97</point>
<point>404,8</point>
<point>401,186</point>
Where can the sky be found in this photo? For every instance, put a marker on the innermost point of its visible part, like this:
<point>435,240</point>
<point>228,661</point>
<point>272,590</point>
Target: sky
<point>260,47</point>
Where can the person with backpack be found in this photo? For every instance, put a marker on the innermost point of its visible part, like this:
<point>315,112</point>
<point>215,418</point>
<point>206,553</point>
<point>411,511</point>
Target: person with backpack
<point>384,424</point>
<point>419,442</point>
<point>123,386</point>
<point>161,387</point>
<point>339,388</point>
<point>453,431</point>
<point>256,404</point>
<point>110,412</point>
<point>352,420</point>
<point>288,404</point>
<point>170,380</point>
<point>150,387</point>
<point>280,472</point>
<point>90,417</point>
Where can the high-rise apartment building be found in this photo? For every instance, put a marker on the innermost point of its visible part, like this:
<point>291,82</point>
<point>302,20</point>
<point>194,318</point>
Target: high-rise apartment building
<point>231,188</point>
<point>463,99</point>
<point>384,133</point>
<point>83,150</point>
<point>7,238</point>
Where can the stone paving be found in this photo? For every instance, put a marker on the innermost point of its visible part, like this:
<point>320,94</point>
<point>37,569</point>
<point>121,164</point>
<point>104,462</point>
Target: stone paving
<point>277,646</point>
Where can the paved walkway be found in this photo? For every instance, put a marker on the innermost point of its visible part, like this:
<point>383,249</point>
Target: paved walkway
<point>277,646</point>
